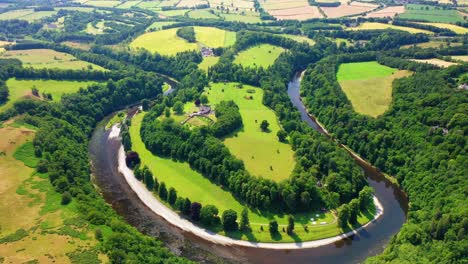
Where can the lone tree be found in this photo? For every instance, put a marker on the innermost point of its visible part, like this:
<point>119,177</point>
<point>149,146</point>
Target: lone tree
<point>204,99</point>
<point>178,107</point>
<point>195,211</point>
<point>172,196</point>
<point>209,215</point>
<point>290,228</point>
<point>163,191</point>
<point>66,198</point>
<point>273,227</point>
<point>343,216</point>
<point>229,220</point>
<point>282,135</point>
<point>244,221</point>
<point>264,125</point>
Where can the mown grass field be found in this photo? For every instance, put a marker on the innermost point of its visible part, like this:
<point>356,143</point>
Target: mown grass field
<point>269,158</point>
<point>22,88</point>
<point>193,185</point>
<point>38,229</point>
<point>430,14</point>
<point>368,85</point>
<point>375,25</point>
<point>47,58</point>
<point>167,42</point>
<point>202,14</point>
<point>208,62</point>
<point>263,55</point>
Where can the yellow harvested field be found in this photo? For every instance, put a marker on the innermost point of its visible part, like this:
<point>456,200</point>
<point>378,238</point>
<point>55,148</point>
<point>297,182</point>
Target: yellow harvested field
<point>390,11</point>
<point>461,58</point>
<point>454,28</point>
<point>298,13</point>
<point>437,62</point>
<point>375,25</point>
<point>191,3</point>
<point>346,9</point>
<point>283,4</point>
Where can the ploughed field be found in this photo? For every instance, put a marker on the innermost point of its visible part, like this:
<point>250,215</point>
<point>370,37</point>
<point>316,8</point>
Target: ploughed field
<point>368,85</point>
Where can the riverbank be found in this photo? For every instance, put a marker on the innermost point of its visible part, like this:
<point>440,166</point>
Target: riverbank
<point>172,217</point>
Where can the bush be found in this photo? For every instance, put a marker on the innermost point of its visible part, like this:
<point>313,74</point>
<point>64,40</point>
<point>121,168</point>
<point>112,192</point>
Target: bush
<point>229,220</point>
<point>66,198</point>
<point>209,215</point>
<point>273,227</point>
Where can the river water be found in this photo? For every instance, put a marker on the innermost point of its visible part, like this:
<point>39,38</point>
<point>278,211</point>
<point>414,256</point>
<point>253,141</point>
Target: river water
<point>367,242</point>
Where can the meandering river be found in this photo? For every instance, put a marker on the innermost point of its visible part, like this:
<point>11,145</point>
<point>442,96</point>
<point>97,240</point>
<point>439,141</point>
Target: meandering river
<point>367,242</point>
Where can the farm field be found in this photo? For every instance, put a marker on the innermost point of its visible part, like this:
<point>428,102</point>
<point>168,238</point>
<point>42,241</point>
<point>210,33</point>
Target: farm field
<point>168,43</point>
<point>263,55</point>
<point>346,9</point>
<point>368,85</point>
<point>375,25</point>
<point>191,3</point>
<point>38,229</point>
<point>202,14</point>
<point>159,24</point>
<point>437,62</point>
<point>148,4</point>
<point>22,88</point>
<point>103,3</point>
<point>431,44</point>
<point>173,13</point>
<point>461,58</point>
<point>299,38</point>
<point>296,13</point>
<point>390,11</point>
<point>46,58</point>
<point>208,62</point>
<point>431,14</point>
<point>454,28</point>
<point>128,4</point>
<point>194,186</point>
<point>269,151</point>
<point>249,17</point>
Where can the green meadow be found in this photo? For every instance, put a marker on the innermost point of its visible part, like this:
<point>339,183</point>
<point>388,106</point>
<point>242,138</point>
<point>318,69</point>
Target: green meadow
<point>263,55</point>
<point>368,85</point>
<point>430,14</point>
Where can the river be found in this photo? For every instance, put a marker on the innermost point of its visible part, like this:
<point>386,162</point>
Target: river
<point>367,242</point>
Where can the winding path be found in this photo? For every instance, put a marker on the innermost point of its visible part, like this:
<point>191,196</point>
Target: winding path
<point>172,217</point>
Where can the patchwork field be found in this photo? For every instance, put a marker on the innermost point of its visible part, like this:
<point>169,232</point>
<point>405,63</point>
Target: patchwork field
<point>270,158</point>
<point>167,42</point>
<point>368,85</point>
<point>193,185</point>
<point>22,89</point>
<point>376,25</point>
<point>437,62</point>
<point>454,28</point>
<point>346,9</point>
<point>389,11</point>
<point>38,229</point>
<point>430,14</point>
<point>263,55</point>
<point>46,58</point>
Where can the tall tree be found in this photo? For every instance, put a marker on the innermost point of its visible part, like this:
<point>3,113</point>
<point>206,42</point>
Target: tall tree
<point>244,221</point>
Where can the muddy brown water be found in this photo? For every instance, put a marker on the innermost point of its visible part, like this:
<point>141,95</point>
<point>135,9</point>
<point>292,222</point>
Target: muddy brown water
<point>368,242</point>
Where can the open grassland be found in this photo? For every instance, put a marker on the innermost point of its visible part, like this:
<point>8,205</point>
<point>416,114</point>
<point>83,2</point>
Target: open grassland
<point>208,62</point>
<point>202,14</point>
<point>47,58</point>
<point>15,14</point>
<point>376,25</point>
<point>463,58</point>
<point>159,24</point>
<point>299,38</point>
<point>368,85</point>
<point>437,62</point>
<point>454,28</point>
<point>167,42</point>
<point>194,186</point>
<point>263,55</point>
<point>389,11</point>
<point>248,17</point>
<point>128,4</point>
<point>103,3</point>
<point>346,9</point>
<point>172,13</point>
<point>269,158</point>
<point>432,44</point>
<point>22,89</point>
<point>431,14</point>
<point>36,227</point>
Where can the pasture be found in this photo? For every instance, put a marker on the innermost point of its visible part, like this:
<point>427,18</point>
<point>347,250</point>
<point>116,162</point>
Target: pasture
<point>432,44</point>
<point>454,28</point>
<point>202,14</point>
<point>159,24</point>
<point>270,158</point>
<point>376,26</point>
<point>103,3</point>
<point>248,17</point>
<point>22,89</point>
<point>263,55</point>
<point>194,186</point>
<point>463,58</point>
<point>47,58</point>
<point>437,62</point>
<point>368,85</point>
<point>299,38</point>
<point>431,14</point>
<point>389,11</point>
<point>208,62</point>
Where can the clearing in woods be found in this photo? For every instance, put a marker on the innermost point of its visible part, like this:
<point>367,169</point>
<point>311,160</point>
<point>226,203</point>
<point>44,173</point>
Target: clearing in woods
<point>263,55</point>
<point>368,85</point>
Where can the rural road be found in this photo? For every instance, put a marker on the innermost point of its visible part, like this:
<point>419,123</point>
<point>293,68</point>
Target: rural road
<point>172,217</point>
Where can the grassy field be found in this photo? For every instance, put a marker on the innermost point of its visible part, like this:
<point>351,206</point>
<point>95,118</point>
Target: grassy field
<point>22,88</point>
<point>454,28</point>
<point>208,62</point>
<point>437,62</point>
<point>103,3</point>
<point>430,14</point>
<point>46,58</point>
<point>431,44</point>
<point>167,42</point>
<point>15,14</point>
<point>128,4</point>
<point>202,14</point>
<point>299,38</point>
<point>193,185</point>
<point>270,158</point>
<point>38,228</point>
<point>368,85</point>
<point>173,13</point>
<point>247,18</point>
<point>263,55</point>
<point>159,24</point>
<point>375,25</point>
<point>461,58</point>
